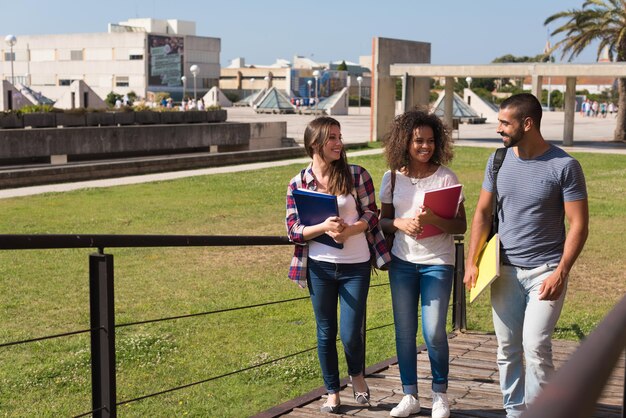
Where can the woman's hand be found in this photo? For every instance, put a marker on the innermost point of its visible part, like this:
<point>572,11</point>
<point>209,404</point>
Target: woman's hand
<point>410,226</point>
<point>333,224</point>
<point>425,216</point>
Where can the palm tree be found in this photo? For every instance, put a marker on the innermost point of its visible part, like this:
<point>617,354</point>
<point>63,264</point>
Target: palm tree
<point>597,20</point>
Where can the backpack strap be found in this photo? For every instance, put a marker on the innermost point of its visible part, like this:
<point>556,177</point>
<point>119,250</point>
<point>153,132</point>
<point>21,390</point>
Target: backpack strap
<point>498,159</point>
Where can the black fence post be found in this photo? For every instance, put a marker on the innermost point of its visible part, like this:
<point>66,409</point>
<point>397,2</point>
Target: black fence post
<point>101,302</point>
<point>459,313</point>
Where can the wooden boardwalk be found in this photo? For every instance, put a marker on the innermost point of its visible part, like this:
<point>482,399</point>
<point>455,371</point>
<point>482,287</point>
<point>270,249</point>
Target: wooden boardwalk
<point>473,388</point>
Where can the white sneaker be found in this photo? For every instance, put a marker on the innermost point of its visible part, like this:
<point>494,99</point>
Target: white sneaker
<point>407,406</point>
<point>441,409</point>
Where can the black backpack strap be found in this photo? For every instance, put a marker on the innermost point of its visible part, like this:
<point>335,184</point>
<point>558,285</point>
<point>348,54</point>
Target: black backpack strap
<point>498,159</point>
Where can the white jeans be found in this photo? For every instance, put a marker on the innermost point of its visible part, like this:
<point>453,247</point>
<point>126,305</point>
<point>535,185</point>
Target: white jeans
<point>524,326</point>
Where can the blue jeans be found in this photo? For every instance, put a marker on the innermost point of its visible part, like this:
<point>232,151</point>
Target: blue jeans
<point>434,284</point>
<point>524,326</point>
<point>348,284</point>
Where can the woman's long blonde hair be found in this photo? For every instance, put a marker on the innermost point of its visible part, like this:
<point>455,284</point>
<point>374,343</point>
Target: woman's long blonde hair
<point>316,136</point>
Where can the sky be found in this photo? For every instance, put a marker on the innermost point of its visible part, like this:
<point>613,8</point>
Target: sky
<point>460,32</point>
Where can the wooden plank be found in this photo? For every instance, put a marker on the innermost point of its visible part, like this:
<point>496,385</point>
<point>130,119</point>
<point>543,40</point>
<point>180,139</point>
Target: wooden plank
<point>473,388</point>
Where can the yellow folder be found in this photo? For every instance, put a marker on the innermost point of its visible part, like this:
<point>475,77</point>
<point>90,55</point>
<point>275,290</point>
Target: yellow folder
<point>488,267</point>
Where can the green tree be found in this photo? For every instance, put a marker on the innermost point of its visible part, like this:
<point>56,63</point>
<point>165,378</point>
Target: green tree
<point>343,66</point>
<point>596,20</point>
<point>112,98</point>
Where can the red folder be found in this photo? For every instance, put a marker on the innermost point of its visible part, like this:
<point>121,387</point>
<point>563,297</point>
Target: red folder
<point>443,202</point>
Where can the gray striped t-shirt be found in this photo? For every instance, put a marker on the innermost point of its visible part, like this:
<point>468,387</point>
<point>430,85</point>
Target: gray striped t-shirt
<point>530,204</point>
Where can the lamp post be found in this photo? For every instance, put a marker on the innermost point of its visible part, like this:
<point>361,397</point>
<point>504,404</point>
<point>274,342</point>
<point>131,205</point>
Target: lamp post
<point>309,82</point>
<point>469,82</point>
<point>11,40</point>
<point>359,80</point>
<point>27,79</point>
<point>195,71</point>
<point>316,74</point>
<point>252,84</point>
<point>184,80</point>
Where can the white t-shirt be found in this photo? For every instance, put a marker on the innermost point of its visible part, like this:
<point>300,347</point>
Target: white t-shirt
<point>407,199</point>
<point>355,248</point>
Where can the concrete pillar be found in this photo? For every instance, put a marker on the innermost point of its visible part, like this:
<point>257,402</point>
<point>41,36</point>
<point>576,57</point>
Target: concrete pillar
<point>570,111</point>
<point>385,52</point>
<point>415,92</point>
<point>537,81</point>
<point>448,102</point>
<point>405,92</point>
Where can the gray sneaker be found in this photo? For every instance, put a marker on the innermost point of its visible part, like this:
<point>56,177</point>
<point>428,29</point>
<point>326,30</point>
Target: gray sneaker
<point>407,406</point>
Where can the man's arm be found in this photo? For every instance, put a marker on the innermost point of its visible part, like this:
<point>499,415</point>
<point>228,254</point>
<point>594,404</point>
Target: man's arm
<point>577,214</point>
<point>481,224</point>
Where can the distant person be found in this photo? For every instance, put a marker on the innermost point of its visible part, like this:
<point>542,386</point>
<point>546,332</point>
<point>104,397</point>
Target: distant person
<point>594,109</point>
<point>539,186</point>
<point>611,108</point>
<point>584,108</point>
<point>331,274</point>
<point>417,150</point>
<point>118,103</point>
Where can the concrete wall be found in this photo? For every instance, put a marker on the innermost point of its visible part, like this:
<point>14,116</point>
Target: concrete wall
<point>100,142</point>
<point>266,135</point>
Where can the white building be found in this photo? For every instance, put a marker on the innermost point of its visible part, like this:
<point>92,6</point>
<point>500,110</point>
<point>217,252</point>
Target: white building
<point>139,55</point>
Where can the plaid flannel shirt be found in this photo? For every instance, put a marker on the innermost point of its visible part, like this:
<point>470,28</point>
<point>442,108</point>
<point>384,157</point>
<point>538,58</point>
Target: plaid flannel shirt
<point>363,193</point>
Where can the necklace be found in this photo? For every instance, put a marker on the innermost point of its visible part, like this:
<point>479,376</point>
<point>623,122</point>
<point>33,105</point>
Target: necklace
<point>420,176</point>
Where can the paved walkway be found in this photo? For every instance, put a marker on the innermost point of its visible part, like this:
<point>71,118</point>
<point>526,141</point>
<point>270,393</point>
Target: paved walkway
<point>590,135</point>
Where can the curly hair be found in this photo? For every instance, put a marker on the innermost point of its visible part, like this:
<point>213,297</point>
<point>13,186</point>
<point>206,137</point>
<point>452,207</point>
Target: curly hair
<point>402,131</point>
<point>316,135</point>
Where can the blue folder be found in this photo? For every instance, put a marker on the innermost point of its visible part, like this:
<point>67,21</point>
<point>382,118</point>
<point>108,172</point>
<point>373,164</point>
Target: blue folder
<point>314,208</point>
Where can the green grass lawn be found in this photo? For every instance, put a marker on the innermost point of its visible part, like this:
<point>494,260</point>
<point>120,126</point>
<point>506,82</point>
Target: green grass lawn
<point>45,292</point>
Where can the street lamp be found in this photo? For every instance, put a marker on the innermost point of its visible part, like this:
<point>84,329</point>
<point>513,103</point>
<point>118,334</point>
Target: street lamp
<point>359,80</point>
<point>27,79</point>
<point>184,80</point>
<point>316,74</point>
<point>11,40</point>
<point>195,71</point>
<point>252,84</point>
<point>309,82</point>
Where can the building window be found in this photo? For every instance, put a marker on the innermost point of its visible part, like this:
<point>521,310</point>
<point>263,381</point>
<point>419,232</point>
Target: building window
<point>135,57</point>
<point>121,82</point>
<point>8,56</point>
<point>65,82</point>
<point>76,55</point>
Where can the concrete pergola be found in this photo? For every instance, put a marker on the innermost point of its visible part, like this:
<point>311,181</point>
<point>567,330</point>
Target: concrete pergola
<point>537,71</point>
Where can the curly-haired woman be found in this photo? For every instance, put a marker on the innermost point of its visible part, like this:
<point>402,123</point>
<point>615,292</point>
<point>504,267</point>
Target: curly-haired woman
<point>417,150</point>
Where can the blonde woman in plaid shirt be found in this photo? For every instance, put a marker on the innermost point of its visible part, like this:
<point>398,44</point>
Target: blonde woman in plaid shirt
<point>331,274</point>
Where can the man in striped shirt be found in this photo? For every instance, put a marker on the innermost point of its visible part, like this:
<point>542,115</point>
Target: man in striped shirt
<point>538,186</point>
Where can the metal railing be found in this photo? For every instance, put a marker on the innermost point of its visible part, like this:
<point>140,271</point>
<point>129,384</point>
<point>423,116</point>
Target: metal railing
<point>102,300</point>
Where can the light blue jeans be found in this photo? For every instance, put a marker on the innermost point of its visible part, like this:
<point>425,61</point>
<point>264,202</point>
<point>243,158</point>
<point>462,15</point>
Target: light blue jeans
<point>348,284</point>
<point>524,326</point>
<point>433,283</point>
